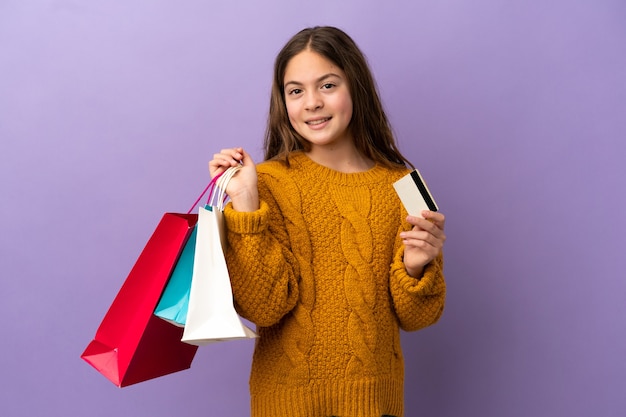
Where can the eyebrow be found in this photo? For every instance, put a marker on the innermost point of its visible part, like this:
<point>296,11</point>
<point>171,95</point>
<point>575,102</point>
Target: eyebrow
<point>319,80</point>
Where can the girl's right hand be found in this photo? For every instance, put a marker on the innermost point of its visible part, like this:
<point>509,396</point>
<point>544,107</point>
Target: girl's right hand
<point>242,188</point>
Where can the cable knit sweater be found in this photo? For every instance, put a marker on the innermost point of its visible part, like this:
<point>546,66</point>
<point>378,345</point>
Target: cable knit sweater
<point>318,268</point>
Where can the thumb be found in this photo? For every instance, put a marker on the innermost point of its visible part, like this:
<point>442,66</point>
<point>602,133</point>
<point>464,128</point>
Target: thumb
<point>246,160</point>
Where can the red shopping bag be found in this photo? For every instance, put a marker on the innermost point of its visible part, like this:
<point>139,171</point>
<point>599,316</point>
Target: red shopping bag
<point>132,344</point>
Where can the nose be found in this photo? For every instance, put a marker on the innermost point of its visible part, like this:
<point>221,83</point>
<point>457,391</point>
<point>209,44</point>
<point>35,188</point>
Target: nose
<point>313,101</point>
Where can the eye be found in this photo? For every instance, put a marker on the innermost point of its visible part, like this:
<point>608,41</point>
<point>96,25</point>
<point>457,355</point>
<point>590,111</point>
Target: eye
<point>294,91</point>
<point>328,86</point>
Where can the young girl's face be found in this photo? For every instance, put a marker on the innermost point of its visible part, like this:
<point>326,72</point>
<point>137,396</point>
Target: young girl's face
<point>318,100</point>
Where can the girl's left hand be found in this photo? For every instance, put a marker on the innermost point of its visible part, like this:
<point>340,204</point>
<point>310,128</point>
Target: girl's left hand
<point>423,242</point>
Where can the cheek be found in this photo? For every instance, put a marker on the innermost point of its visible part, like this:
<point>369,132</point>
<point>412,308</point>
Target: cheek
<point>346,107</point>
<point>292,111</point>
<point>292,115</point>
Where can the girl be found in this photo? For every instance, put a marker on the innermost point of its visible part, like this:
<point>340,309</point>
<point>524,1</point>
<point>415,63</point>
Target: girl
<point>323,257</point>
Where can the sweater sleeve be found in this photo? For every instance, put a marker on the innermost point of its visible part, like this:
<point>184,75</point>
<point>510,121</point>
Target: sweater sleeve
<point>418,303</point>
<point>263,271</point>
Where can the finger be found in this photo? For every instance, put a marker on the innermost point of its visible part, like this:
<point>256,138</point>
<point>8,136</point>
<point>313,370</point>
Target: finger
<point>234,154</point>
<point>219,161</point>
<point>425,224</point>
<point>435,217</point>
<point>225,159</point>
<point>217,166</point>
<point>246,159</point>
<point>422,239</point>
<point>433,226</point>
<point>436,236</point>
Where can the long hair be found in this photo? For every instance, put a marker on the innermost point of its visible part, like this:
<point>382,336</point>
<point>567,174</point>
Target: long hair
<point>369,125</point>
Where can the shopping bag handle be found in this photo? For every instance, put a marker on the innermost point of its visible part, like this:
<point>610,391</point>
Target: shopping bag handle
<point>219,197</point>
<point>211,186</point>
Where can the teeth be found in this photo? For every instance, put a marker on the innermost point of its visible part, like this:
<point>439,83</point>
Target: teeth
<point>317,122</point>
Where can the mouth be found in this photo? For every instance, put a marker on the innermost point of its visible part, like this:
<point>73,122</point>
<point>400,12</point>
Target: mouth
<point>315,122</point>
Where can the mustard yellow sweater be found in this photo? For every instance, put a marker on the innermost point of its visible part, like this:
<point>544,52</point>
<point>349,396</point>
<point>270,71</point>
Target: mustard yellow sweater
<point>318,268</point>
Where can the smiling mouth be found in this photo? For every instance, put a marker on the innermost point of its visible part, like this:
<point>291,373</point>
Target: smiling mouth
<point>317,122</point>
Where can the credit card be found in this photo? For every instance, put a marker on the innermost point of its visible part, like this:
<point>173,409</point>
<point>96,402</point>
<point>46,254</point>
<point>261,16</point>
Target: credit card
<point>414,194</point>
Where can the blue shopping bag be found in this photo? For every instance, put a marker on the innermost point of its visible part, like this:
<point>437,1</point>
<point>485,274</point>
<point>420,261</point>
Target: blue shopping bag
<point>174,301</point>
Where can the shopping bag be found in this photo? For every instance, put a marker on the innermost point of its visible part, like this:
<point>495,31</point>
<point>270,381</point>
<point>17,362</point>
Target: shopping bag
<point>211,316</point>
<point>131,344</point>
<point>174,301</point>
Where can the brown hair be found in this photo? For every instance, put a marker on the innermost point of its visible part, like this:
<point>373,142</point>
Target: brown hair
<point>369,124</point>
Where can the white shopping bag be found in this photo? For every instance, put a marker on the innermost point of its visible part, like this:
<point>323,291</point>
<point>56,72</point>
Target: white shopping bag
<point>211,316</point>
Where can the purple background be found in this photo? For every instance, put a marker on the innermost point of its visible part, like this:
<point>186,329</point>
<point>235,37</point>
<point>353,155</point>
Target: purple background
<point>514,111</point>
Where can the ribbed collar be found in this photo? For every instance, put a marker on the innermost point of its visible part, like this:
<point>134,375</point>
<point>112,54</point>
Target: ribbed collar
<point>301,162</point>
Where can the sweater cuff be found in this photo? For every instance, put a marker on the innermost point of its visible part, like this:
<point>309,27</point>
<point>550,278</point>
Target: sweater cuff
<point>426,282</point>
<point>246,222</point>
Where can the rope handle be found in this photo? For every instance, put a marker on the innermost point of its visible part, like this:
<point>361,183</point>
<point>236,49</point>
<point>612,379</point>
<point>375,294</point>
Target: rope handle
<point>219,194</point>
<point>217,198</point>
<point>211,186</point>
